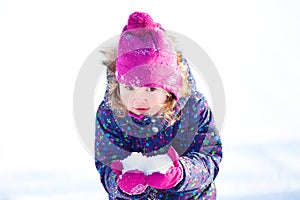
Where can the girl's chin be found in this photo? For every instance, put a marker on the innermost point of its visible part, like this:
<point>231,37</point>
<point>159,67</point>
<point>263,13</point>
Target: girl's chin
<point>141,111</point>
<point>148,113</point>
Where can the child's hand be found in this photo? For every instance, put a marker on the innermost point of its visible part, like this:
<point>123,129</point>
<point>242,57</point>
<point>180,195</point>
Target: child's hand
<point>132,182</point>
<point>171,178</point>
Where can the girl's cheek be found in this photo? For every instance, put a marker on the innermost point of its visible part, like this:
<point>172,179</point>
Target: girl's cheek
<point>162,99</point>
<point>124,99</point>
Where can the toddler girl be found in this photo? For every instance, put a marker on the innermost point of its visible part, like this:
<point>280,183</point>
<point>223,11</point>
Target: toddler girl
<point>155,133</point>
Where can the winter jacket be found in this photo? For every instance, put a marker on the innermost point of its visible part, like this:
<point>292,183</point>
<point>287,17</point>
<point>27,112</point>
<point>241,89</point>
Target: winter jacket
<point>194,136</point>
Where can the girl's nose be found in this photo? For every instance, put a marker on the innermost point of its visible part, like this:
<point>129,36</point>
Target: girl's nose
<point>140,101</point>
<point>139,97</point>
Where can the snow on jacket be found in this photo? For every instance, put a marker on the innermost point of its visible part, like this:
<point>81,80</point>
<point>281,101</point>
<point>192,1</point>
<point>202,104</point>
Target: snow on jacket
<point>194,136</point>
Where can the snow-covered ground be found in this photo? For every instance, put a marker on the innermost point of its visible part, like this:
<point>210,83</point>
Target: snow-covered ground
<point>43,44</point>
<point>269,171</point>
<point>248,172</point>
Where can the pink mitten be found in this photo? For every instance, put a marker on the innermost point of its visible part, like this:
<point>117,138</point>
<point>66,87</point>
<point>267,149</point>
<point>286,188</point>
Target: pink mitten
<point>132,182</point>
<point>171,178</point>
<point>117,167</point>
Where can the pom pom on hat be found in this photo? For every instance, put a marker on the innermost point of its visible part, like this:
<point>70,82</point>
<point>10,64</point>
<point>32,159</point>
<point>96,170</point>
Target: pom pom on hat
<point>140,20</point>
<point>146,57</point>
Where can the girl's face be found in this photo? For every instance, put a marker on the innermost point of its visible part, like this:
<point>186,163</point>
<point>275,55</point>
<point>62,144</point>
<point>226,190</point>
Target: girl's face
<point>143,100</point>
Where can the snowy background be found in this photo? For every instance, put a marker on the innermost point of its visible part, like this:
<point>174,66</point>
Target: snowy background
<point>255,46</point>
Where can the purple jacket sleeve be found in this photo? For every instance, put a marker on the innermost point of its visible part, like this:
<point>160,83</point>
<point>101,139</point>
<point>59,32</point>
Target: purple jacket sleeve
<point>102,162</point>
<point>202,159</point>
<point>105,153</point>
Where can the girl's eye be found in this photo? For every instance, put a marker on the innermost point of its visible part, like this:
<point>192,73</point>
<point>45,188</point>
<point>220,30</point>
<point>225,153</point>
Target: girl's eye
<point>129,88</point>
<point>150,89</point>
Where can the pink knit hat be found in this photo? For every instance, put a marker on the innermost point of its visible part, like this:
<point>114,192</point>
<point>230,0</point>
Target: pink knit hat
<point>146,56</point>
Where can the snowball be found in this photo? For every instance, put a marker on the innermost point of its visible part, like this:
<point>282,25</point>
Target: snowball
<point>137,161</point>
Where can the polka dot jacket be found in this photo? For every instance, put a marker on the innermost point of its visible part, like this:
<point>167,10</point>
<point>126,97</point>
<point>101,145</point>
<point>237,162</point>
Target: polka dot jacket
<point>194,136</point>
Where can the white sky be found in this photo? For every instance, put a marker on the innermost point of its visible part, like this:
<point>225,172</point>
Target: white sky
<point>255,46</point>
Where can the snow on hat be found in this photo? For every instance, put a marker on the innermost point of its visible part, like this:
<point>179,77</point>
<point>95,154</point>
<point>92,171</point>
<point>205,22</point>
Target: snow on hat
<point>146,56</point>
